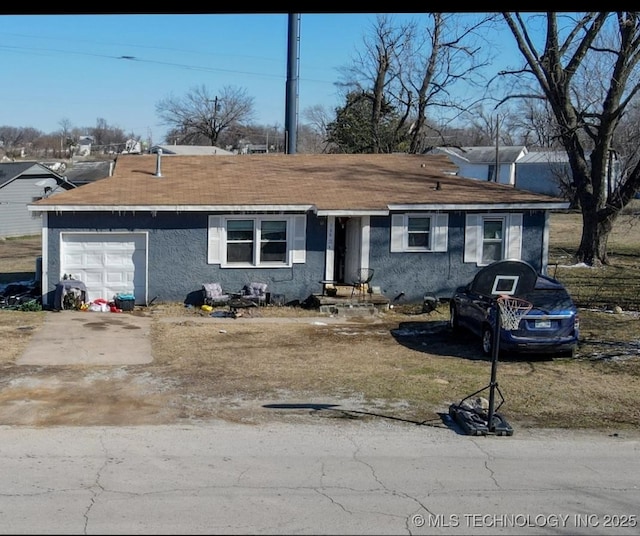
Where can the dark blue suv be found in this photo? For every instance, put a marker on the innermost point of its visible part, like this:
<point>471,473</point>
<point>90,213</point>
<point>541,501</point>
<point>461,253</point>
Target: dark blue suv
<point>550,327</point>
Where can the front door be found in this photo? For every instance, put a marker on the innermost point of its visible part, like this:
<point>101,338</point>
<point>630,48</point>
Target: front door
<point>353,245</point>
<point>339,248</point>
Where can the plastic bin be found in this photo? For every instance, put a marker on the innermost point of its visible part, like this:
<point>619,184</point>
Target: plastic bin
<point>125,303</point>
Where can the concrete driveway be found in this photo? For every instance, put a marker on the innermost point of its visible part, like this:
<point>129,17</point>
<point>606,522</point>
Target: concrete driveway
<point>90,338</point>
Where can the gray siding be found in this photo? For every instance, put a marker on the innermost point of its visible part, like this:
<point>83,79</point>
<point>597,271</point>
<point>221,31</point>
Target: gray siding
<point>15,218</point>
<point>438,274</point>
<point>542,178</point>
<point>177,257</point>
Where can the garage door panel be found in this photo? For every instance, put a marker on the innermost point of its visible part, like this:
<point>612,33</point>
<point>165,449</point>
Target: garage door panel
<point>118,277</point>
<point>108,263</point>
<point>123,260</point>
<point>91,278</point>
<point>92,260</point>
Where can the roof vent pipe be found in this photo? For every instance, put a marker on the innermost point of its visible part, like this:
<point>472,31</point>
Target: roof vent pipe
<point>159,164</point>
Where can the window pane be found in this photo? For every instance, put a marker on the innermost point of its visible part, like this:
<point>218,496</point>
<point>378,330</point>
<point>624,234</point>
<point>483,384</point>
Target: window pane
<point>418,240</point>
<point>492,243</point>
<point>493,230</point>
<point>274,230</point>
<point>418,232</point>
<point>240,252</point>
<point>419,224</point>
<point>240,230</point>
<point>273,252</point>
<point>491,252</point>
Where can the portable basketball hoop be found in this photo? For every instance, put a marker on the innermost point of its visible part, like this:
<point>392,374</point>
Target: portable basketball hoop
<point>503,280</point>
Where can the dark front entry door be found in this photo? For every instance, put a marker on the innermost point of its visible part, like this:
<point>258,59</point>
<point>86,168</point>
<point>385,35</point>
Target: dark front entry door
<point>340,249</point>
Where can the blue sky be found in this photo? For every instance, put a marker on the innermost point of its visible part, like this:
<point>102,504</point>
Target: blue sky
<point>70,67</point>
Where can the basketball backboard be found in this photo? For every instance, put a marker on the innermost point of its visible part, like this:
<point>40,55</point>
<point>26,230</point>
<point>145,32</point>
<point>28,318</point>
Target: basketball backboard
<point>510,277</point>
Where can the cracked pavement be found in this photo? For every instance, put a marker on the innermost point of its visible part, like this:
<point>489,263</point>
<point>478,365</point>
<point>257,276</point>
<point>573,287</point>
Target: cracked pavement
<point>335,477</point>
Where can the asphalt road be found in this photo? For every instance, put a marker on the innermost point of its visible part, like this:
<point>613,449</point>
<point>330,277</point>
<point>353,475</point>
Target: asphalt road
<point>336,477</point>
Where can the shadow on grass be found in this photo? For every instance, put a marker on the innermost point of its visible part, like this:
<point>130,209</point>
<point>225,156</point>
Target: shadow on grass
<point>437,338</point>
<point>443,420</point>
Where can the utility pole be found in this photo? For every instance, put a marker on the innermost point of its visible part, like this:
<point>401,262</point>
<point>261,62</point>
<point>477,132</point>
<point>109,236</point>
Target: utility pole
<point>293,61</point>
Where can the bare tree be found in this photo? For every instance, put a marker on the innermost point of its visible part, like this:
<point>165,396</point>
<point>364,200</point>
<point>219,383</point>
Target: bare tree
<point>587,71</point>
<point>200,113</point>
<point>445,55</point>
<point>533,124</point>
<point>414,68</point>
<point>66,138</point>
<point>316,133</point>
<point>375,68</point>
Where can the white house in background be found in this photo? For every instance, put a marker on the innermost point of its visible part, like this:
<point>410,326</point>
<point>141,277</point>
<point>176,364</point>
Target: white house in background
<point>84,145</point>
<point>193,150</point>
<point>481,162</point>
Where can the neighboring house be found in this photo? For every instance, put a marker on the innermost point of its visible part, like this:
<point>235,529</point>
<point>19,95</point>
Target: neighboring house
<point>160,227</point>
<point>190,150</point>
<point>543,172</point>
<point>84,172</point>
<point>255,148</point>
<point>549,172</point>
<point>481,162</point>
<point>84,146</point>
<point>22,183</point>
<point>132,146</point>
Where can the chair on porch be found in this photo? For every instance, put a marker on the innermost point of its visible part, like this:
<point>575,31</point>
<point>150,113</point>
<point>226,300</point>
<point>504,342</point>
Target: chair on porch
<point>360,282</point>
<point>255,292</point>
<point>214,295</point>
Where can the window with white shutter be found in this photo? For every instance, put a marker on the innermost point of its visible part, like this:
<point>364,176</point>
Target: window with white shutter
<point>257,241</point>
<point>419,232</point>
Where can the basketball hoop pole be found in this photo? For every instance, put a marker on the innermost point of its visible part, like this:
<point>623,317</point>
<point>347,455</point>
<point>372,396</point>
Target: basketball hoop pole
<point>493,384</point>
<point>490,422</point>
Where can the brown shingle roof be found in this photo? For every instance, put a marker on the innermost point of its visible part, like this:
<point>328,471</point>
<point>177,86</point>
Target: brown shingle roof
<point>329,182</point>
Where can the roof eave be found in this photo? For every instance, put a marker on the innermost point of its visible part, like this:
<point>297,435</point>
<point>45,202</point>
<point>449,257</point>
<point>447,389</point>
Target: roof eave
<point>170,208</point>
<point>544,205</point>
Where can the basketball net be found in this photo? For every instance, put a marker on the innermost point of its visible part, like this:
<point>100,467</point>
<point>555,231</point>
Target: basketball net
<point>512,309</point>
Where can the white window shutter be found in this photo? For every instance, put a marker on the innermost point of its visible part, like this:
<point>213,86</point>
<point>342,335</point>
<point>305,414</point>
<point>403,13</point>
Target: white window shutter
<point>214,240</point>
<point>514,236</point>
<point>397,232</point>
<point>471,238</point>
<point>440,232</point>
<point>300,238</point>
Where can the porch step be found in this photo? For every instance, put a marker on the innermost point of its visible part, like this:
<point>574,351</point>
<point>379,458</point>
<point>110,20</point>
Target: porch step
<point>346,309</point>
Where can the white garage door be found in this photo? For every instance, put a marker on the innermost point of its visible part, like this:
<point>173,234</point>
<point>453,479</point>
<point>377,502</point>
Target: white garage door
<point>107,263</point>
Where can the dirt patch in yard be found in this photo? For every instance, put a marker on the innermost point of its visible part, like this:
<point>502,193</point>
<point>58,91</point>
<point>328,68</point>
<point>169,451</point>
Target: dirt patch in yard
<point>293,365</point>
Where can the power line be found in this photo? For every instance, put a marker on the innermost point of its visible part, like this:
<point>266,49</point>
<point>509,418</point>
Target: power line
<point>156,62</point>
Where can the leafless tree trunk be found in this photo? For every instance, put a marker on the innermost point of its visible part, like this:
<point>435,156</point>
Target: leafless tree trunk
<point>587,70</point>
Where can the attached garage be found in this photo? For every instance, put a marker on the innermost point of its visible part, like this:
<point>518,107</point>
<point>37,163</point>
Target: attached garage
<point>107,263</point>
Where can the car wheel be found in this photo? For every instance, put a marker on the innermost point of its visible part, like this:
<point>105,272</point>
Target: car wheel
<point>454,323</point>
<point>487,340</point>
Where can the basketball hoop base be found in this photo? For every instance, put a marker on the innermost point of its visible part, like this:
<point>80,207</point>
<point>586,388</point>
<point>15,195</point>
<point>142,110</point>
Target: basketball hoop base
<point>474,423</point>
